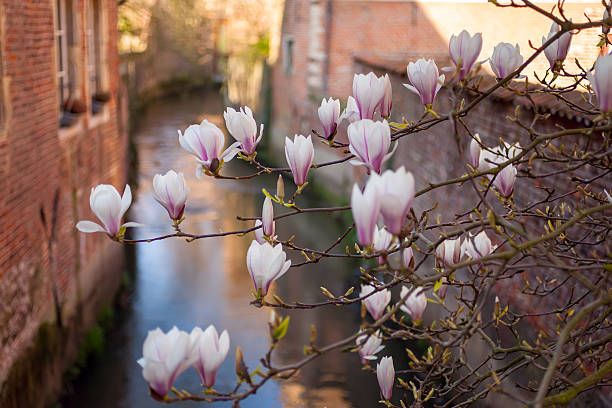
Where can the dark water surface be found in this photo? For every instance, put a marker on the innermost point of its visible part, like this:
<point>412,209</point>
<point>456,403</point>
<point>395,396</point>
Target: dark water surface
<point>206,282</point>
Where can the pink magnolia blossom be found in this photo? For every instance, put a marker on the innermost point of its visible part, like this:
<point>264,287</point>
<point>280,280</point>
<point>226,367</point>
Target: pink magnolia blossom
<point>506,59</point>
<point>601,82</point>
<point>383,241</point>
<point>557,50</point>
<point>369,345</point>
<point>266,263</point>
<point>205,141</point>
<point>109,207</point>
<point>365,208</point>
<point>299,153</point>
<point>351,112</point>
<point>329,115</point>
<point>385,373</point>
<point>169,190</point>
<point>242,126</point>
<point>464,50</point>
<point>208,352</point>
<point>504,182</point>
<point>368,91</point>
<point>415,304</point>
<point>424,80</point>
<point>396,197</point>
<point>259,234</point>
<point>387,101</point>
<point>370,142</point>
<point>478,246</point>
<point>164,357</point>
<point>449,251</point>
<point>407,257</point>
<point>377,302</point>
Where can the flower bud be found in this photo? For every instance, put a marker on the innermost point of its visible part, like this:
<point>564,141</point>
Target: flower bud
<point>365,208</point>
<point>209,352</point>
<point>280,188</point>
<point>475,150</point>
<point>449,252</point>
<point>329,115</point>
<point>408,258</point>
<point>504,182</point>
<point>424,80</point>
<point>397,194</point>
<point>170,191</point>
<point>242,126</point>
<point>387,101</point>
<point>385,373</point>
<point>299,153</point>
<point>478,246</point>
<point>383,241</point>
<point>267,218</point>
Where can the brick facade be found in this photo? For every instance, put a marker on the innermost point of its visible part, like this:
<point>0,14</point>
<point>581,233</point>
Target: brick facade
<point>46,172</point>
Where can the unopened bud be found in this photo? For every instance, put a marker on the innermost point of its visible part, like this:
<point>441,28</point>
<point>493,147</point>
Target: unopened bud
<point>280,188</point>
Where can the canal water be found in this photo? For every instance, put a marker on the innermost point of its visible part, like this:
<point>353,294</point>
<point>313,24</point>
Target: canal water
<point>206,282</point>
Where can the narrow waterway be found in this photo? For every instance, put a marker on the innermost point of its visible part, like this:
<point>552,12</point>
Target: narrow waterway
<point>206,282</point>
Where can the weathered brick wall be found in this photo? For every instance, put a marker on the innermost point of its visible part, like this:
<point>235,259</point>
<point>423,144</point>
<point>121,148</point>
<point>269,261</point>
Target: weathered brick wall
<point>41,163</point>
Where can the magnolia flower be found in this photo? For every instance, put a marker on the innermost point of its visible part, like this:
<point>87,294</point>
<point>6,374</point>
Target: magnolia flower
<point>170,191</point>
<point>396,196</point>
<point>506,59</point>
<point>423,75</point>
<point>478,246</point>
<point>601,82</point>
<point>267,218</point>
<point>329,115</point>
<point>243,128</point>
<point>504,182</point>
<point>408,257</point>
<point>386,376</point>
<point>266,264</point>
<point>351,112</point>
<point>259,234</point>
<point>377,302</point>
<point>299,153</point>
<point>557,50</point>
<point>109,207</point>
<point>387,100</point>
<point>205,141</point>
<point>369,346</point>
<point>209,351</point>
<point>365,208</point>
<point>449,251</point>
<point>368,91</point>
<point>475,150</point>
<point>464,49</point>
<point>164,357</point>
<point>370,142</point>
<point>415,304</point>
<point>383,241</point>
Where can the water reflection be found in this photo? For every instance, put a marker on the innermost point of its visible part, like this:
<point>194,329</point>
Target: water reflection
<point>206,282</point>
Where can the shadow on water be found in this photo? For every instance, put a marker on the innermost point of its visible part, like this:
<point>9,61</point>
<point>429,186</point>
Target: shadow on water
<point>206,282</point>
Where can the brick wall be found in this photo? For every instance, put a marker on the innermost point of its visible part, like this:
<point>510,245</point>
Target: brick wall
<point>43,167</point>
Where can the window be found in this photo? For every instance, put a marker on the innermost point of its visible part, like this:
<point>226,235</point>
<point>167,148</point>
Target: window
<point>95,54</point>
<point>61,45</point>
<point>288,45</point>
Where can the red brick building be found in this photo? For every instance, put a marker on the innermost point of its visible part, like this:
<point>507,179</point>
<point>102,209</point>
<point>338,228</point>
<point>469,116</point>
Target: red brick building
<point>62,130</point>
<point>322,42</point>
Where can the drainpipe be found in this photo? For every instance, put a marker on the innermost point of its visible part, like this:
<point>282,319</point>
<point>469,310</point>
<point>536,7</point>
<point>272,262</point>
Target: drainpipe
<point>328,25</point>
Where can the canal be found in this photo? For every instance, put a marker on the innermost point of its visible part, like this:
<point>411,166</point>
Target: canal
<point>206,282</point>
